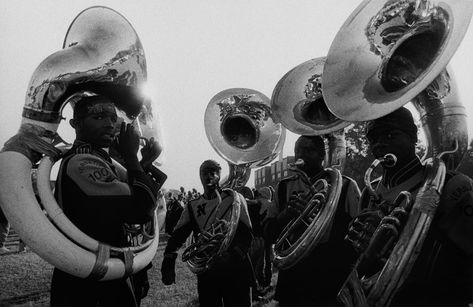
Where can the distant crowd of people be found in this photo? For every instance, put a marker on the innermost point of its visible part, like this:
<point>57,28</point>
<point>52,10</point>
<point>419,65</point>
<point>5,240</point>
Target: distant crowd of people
<point>175,203</point>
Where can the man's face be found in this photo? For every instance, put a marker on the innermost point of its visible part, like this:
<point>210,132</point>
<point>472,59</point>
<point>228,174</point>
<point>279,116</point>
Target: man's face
<point>386,140</point>
<point>307,151</point>
<point>97,128</point>
<point>209,177</point>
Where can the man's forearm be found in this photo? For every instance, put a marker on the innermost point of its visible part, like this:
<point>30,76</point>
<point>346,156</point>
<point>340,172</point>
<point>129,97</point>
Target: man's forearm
<point>132,163</point>
<point>158,176</point>
<point>177,239</point>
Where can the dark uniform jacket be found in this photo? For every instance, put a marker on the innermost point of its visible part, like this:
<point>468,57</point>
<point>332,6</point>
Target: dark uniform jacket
<point>99,196</point>
<point>316,278</point>
<point>199,215</point>
<point>443,272</point>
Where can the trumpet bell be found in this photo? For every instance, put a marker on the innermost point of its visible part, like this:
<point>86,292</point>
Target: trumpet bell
<point>297,101</point>
<point>375,65</point>
<point>240,127</point>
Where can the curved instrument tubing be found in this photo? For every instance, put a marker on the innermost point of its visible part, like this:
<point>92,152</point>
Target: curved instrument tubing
<point>41,235</point>
<point>197,256</point>
<point>240,126</point>
<point>386,54</point>
<point>297,102</point>
<point>101,55</point>
<point>64,224</point>
<point>315,231</point>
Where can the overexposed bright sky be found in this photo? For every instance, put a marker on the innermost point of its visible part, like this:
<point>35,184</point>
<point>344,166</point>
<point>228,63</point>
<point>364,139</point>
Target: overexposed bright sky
<point>194,49</point>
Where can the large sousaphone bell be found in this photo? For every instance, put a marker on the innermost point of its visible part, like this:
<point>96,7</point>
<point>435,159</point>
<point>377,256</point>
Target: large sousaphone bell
<point>102,54</point>
<point>240,126</point>
<point>386,54</point>
<point>298,104</point>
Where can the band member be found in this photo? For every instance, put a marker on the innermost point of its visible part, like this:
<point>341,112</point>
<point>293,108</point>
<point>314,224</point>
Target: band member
<point>99,199</point>
<point>256,251</point>
<point>317,278</point>
<point>258,203</point>
<point>443,272</point>
<point>227,282</point>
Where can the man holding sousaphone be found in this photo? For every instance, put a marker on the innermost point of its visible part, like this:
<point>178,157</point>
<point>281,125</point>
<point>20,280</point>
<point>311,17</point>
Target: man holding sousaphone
<point>224,275</point>
<point>315,205</point>
<point>101,67</point>
<point>317,277</point>
<point>442,274</point>
<point>98,197</point>
<point>386,54</point>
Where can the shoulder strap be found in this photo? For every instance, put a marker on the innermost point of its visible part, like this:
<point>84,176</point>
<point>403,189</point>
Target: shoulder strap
<point>65,160</point>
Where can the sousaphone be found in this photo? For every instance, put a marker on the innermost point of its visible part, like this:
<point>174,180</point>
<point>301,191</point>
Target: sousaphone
<point>386,54</point>
<point>101,54</point>
<point>298,104</point>
<point>240,126</point>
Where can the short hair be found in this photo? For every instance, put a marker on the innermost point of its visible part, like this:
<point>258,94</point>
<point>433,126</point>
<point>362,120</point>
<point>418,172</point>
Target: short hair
<point>210,165</point>
<point>400,119</point>
<point>315,140</point>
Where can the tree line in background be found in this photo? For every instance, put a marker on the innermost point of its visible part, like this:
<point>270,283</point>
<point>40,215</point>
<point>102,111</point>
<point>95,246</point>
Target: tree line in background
<point>358,157</point>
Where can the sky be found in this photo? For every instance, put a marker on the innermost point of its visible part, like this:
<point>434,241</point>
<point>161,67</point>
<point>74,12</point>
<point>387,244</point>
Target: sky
<point>194,49</point>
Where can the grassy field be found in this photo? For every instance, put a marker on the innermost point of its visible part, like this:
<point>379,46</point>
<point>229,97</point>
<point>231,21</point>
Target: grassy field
<point>25,281</point>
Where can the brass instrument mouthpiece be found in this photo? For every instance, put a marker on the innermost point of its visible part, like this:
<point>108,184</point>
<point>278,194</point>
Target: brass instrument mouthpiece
<point>389,160</point>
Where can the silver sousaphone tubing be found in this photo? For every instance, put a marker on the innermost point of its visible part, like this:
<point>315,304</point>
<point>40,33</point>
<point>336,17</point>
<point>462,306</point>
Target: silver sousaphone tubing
<point>240,126</point>
<point>101,54</point>
<point>386,54</point>
<point>298,104</point>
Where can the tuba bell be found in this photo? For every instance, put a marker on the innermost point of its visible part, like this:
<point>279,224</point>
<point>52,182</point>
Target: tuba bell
<point>101,54</point>
<point>298,104</point>
<point>240,126</point>
<point>386,54</point>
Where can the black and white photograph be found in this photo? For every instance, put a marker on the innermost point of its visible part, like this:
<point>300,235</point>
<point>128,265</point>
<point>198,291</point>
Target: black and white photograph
<point>236,153</point>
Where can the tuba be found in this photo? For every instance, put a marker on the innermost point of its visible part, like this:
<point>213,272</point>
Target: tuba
<point>101,54</point>
<point>240,127</point>
<point>298,104</point>
<point>386,54</point>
